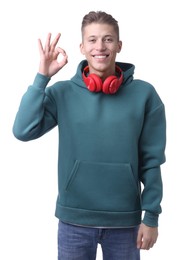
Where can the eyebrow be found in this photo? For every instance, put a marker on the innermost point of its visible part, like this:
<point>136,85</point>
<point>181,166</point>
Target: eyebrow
<point>107,35</point>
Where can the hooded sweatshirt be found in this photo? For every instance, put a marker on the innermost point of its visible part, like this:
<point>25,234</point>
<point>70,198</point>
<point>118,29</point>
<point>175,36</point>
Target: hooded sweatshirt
<point>110,147</point>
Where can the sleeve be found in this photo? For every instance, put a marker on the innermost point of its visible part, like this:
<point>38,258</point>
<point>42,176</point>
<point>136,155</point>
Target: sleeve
<point>37,111</point>
<point>152,155</point>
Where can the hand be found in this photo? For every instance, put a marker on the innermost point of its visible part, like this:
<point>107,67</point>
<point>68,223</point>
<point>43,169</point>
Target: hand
<point>147,236</point>
<point>49,65</point>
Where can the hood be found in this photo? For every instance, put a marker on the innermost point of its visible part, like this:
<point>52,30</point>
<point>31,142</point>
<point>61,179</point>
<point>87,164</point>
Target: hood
<point>127,68</point>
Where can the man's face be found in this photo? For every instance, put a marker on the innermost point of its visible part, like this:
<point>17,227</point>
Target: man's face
<point>100,46</point>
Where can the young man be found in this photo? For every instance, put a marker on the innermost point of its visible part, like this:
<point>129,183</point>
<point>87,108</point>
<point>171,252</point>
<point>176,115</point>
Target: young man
<point>111,140</point>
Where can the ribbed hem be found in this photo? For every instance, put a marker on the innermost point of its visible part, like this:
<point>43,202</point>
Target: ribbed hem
<point>40,81</point>
<point>150,219</point>
<point>98,218</point>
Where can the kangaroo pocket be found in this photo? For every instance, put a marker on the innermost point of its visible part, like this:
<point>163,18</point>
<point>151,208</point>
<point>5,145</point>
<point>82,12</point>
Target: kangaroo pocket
<point>102,186</point>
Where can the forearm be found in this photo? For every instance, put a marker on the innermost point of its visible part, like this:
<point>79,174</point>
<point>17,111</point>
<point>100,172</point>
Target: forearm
<point>30,119</point>
<point>152,196</point>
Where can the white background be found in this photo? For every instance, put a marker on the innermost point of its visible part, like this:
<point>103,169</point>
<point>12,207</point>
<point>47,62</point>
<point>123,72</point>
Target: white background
<point>153,39</point>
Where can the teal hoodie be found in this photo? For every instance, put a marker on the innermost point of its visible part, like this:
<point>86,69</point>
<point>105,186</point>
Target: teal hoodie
<point>110,147</point>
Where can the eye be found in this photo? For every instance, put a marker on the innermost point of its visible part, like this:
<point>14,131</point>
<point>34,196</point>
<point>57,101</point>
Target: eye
<point>108,39</point>
<point>92,40</point>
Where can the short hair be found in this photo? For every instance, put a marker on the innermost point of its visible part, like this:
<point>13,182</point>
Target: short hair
<point>99,17</point>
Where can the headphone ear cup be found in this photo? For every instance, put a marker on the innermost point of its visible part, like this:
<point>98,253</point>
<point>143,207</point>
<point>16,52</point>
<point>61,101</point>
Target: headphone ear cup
<point>92,81</point>
<point>110,85</point>
<point>95,83</point>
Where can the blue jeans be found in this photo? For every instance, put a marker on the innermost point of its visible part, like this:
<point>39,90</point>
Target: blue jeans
<point>80,243</point>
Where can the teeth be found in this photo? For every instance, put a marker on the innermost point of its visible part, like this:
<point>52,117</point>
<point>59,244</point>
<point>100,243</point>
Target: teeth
<point>100,57</point>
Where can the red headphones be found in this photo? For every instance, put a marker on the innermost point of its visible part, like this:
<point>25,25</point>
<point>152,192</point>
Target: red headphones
<point>95,84</point>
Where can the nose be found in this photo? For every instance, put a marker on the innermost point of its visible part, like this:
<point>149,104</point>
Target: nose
<point>100,45</point>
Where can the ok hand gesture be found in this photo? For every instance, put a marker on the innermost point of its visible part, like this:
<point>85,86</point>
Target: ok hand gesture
<point>49,64</point>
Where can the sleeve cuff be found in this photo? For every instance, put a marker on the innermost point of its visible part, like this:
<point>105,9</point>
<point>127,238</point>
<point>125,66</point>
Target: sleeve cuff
<point>40,81</point>
<point>150,219</point>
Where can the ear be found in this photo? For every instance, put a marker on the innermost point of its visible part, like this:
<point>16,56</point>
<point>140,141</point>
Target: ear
<point>119,46</point>
<point>82,48</point>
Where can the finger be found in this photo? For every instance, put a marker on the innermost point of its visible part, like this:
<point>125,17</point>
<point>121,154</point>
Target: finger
<point>62,62</point>
<point>58,53</point>
<point>145,246</point>
<point>41,50</point>
<point>61,51</point>
<point>139,239</point>
<point>139,243</point>
<point>54,42</point>
<point>151,244</point>
<point>47,44</point>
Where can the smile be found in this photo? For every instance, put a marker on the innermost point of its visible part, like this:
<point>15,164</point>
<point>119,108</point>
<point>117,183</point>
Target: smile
<point>100,56</point>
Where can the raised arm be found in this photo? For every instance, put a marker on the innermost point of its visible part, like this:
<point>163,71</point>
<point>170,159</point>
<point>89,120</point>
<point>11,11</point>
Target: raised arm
<point>37,111</point>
